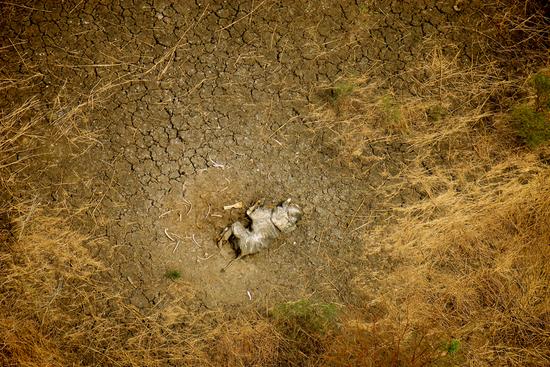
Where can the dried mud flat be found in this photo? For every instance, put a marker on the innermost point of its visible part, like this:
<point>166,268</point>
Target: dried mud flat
<point>195,106</point>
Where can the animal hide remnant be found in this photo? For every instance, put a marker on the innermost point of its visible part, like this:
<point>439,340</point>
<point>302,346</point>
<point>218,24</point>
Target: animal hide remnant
<point>267,225</point>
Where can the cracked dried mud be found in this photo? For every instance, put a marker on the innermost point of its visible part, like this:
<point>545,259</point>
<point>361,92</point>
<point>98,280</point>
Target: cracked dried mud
<point>193,106</point>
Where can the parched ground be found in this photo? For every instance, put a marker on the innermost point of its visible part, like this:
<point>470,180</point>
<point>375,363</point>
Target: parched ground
<point>188,107</point>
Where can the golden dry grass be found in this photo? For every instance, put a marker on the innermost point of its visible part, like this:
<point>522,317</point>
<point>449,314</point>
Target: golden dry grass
<point>476,272</point>
<point>60,306</point>
<point>472,268</point>
<point>470,259</point>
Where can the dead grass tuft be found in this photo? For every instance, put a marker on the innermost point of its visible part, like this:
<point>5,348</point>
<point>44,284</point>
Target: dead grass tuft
<point>247,343</point>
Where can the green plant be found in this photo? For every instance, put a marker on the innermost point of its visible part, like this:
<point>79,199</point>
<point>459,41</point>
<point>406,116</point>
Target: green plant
<point>532,122</point>
<point>341,89</point>
<point>305,325</point>
<point>541,83</point>
<point>390,109</point>
<point>306,315</point>
<point>453,347</point>
<point>172,274</point>
<point>436,113</point>
<point>532,126</point>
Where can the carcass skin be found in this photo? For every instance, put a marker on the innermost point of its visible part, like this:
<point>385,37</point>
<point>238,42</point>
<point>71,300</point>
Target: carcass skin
<point>267,225</point>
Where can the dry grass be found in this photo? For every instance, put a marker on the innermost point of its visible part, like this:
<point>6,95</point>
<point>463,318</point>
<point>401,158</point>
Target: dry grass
<point>449,101</point>
<point>61,305</point>
<point>471,269</point>
<point>480,272</point>
<point>470,257</point>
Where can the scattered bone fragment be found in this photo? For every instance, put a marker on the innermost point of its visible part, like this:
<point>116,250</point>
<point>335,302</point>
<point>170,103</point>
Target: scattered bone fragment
<point>237,205</point>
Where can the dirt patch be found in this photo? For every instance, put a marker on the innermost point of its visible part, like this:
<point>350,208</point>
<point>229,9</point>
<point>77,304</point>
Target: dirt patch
<point>217,121</point>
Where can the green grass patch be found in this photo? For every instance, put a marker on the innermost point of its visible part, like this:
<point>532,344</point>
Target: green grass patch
<point>172,274</point>
<point>306,315</point>
<point>532,121</point>
<point>532,126</point>
<point>305,325</point>
<point>453,347</point>
<point>341,89</point>
<point>390,109</point>
<point>541,82</point>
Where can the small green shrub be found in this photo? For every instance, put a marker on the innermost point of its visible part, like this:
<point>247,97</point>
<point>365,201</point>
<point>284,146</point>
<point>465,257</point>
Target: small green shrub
<point>453,347</point>
<point>172,274</point>
<point>436,113</point>
<point>451,356</point>
<point>532,122</point>
<point>305,325</point>
<point>390,109</point>
<point>532,126</point>
<point>541,83</point>
<point>311,317</point>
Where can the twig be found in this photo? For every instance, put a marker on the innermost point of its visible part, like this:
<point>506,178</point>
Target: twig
<point>169,55</point>
<point>237,205</point>
<point>208,212</point>
<point>241,18</point>
<point>355,213</point>
<point>166,213</point>
<point>190,206</point>
<point>230,263</point>
<point>204,258</point>
<point>90,65</point>
<point>194,240</point>
<point>216,164</point>
<point>283,125</point>
<point>76,6</point>
<point>197,86</point>
<point>20,56</point>
<point>28,216</point>
<point>168,235</point>
<point>24,7</point>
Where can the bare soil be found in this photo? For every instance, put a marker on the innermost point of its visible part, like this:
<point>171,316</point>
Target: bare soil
<point>193,106</point>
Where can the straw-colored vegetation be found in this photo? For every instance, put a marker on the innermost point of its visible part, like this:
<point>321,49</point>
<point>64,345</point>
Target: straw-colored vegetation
<point>470,274</point>
<point>470,259</point>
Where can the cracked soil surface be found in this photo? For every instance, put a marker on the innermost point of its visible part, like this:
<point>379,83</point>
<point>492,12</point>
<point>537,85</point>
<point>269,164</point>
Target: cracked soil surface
<point>198,105</point>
